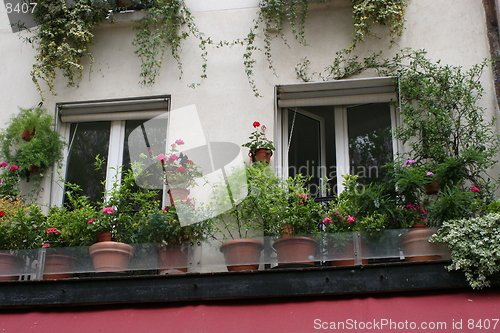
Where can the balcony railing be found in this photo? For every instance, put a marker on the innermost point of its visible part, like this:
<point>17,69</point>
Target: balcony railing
<point>356,248</point>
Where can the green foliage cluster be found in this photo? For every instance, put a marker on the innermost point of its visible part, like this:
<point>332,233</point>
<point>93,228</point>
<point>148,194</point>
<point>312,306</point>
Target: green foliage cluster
<point>162,28</point>
<point>42,151</point>
<point>474,245</point>
<point>21,225</point>
<point>64,37</point>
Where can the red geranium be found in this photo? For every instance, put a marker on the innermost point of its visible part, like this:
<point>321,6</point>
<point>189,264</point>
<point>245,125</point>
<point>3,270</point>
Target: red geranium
<point>256,124</point>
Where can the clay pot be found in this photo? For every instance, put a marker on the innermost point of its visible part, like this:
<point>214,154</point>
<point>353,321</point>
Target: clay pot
<point>296,250</point>
<point>104,237</point>
<point>432,188</point>
<point>28,135</point>
<point>242,254</point>
<point>57,266</point>
<point>177,194</point>
<point>416,246</point>
<point>260,154</point>
<point>287,231</point>
<point>10,266</point>
<point>111,256</point>
<point>346,251</point>
<point>172,257</point>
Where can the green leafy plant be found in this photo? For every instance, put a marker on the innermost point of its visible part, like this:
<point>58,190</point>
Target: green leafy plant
<point>178,169</point>
<point>63,38</point>
<point>359,207</point>
<point>162,27</point>
<point>163,226</point>
<point>280,202</point>
<point>475,246</point>
<point>21,225</point>
<point>9,181</point>
<point>30,142</point>
<point>258,139</point>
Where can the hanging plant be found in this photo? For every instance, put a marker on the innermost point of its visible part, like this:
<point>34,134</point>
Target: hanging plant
<point>274,14</point>
<point>30,142</point>
<point>389,13</point>
<point>63,37</point>
<point>166,25</point>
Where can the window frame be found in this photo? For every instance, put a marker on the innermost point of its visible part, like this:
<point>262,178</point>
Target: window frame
<point>340,95</point>
<point>116,111</point>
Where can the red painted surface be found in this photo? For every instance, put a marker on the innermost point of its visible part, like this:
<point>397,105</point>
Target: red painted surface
<point>392,313</point>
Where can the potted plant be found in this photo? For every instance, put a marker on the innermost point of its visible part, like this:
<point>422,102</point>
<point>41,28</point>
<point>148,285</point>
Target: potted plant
<point>31,143</point>
<point>9,184</point>
<point>359,208</point>
<point>179,172</point>
<point>163,227</point>
<point>113,222</point>
<point>240,225</point>
<point>20,228</point>
<point>261,148</point>
<point>286,209</point>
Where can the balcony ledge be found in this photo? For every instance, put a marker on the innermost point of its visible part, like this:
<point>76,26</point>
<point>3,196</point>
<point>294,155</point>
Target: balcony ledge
<point>317,281</point>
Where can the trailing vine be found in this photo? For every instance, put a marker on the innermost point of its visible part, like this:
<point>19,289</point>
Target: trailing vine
<point>162,28</point>
<point>273,15</point>
<point>63,38</point>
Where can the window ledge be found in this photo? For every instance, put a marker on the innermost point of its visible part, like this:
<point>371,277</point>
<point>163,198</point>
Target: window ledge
<point>388,277</point>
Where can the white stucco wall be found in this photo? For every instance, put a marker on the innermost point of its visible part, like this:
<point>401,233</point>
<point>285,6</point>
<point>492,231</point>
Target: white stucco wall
<point>451,30</point>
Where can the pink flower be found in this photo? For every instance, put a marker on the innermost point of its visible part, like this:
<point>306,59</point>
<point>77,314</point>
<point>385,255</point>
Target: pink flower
<point>3,164</point>
<point>14,167</point>
<point>1,181</point>
<point>166,208</point>
<point>327,220</point>
<point>351,219</point>
<point>91,221</point>
<point>46,245</point>
<point>108,210</point>
<point>181,169</point>
<point>179,142</point>
<point>305,196</point>
<point>173,157</point>
<point>474,189</point>
<point>256,124</point>
<point>150,151</point>
<point>161,158</point>
<point>408,162</point>
<point>52,230</point>
<point>430,173</point>
<point>190,162</point>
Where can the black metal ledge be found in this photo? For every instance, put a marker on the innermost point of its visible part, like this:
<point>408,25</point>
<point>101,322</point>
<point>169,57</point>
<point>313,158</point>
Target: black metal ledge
<point>232,285</point>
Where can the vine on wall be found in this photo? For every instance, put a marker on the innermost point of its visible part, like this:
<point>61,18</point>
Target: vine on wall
<point>65,33</point>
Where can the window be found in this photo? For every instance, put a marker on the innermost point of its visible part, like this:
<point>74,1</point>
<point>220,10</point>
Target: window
<point>330,129</point>
<point>116,131</point>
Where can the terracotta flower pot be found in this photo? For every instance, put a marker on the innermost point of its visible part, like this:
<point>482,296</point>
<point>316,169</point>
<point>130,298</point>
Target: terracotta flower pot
<point>10,266</point>
<point>260,154</point>
<point>296,250</point>
<point>58,266</point>
<point>104,237</point>
<point>431,188</point>
<point>242,254</point>
<point>111,256</point>
<point>346,251</point>
<point>177,193</point>
<point>416,245</point>
<point>172,257</point>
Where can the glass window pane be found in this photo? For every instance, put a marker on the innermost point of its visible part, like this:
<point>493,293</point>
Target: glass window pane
<point>370,141</point>
<point>151,135</point>
<point>87,140</point>
<point>312,152</point>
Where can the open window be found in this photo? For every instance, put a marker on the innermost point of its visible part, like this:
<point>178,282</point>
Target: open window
<point>329,129</point>
<point>107,129</point>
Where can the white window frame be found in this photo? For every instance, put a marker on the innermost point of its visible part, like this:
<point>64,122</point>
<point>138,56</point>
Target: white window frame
<point>117,111</point>
<point>340,95</point>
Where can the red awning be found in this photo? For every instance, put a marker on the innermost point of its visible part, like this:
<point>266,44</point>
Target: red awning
<point>443,312</point>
